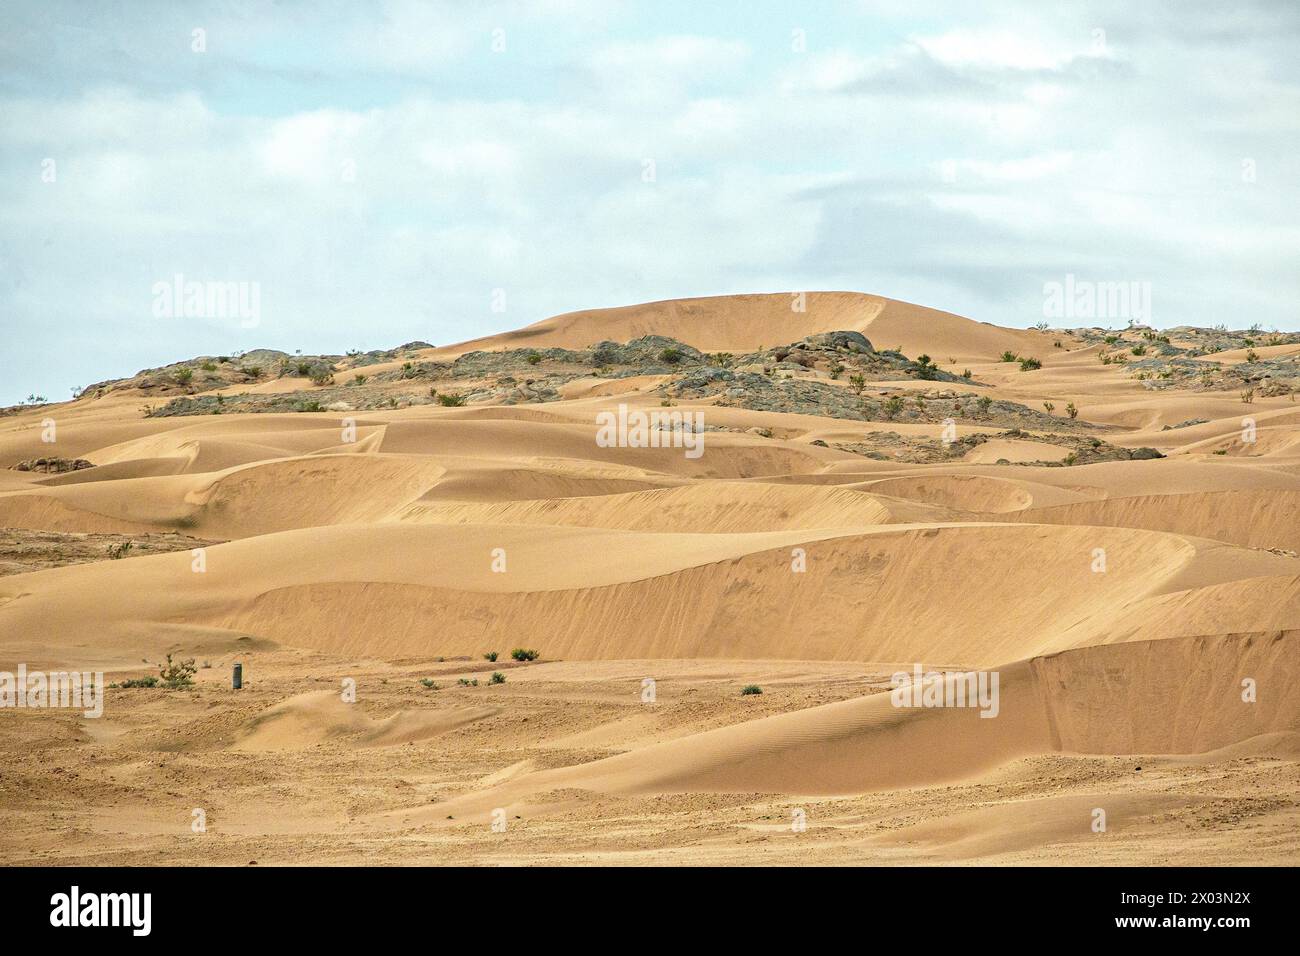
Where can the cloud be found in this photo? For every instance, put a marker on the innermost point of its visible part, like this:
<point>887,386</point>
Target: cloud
<point>379,181</point>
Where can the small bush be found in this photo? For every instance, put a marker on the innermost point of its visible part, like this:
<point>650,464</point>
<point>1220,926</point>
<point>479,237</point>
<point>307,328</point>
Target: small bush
<point>138,682</point>
<point>533,358</point>
<point>184,376</point>
<point>451,399</point>
<point>490,656</point>
<point>671,356</point>
<point>750,689</point>
<point>497,678</point>
<point>428,683</point>
<point>116,551</point>
<point>522,654</point>
<point>1009,356</point>
<point>1029,364</point>
<point>177,674</point>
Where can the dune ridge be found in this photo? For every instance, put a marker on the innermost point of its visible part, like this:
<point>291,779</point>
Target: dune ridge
<point>1120,550</point>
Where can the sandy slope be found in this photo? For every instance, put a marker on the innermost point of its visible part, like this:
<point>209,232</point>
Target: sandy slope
<point>741,323</point>
<point>440,534</point>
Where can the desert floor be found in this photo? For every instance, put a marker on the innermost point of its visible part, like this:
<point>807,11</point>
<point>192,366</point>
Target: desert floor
<point>1142,614</point>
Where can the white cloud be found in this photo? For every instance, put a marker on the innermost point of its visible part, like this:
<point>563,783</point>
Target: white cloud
<point>774,170</point>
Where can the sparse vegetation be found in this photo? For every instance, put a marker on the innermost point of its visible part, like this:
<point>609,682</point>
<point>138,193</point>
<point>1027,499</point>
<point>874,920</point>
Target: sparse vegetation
<point>750,689</point>
<point>523,654</point>
<point>1029,364</point>
<point>177,674</point>
<point>451,399</point>
<point>497,678</point>
<point>490,656</point>
<point>137,682</point>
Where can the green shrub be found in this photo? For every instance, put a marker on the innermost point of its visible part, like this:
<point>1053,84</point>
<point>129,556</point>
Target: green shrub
<point>177,674</point>
<point>138,682</point>
<point>750,689</point>
<point>490,656</point>
<point>1008,357</point>
<point>451,399</point>
<point>428,683</point>
<point>671,356</point>
<point>533,358</point>
<point>1029,364</point>
<point>497,678</point>
<point>522,654</point>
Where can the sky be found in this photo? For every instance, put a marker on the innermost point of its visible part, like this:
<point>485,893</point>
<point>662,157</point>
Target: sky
<point>376,172</point>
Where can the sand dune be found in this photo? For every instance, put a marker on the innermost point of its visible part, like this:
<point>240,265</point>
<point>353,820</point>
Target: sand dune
<point>1161,697</point>
<point>1125,604</point>
<point>739,323</point>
